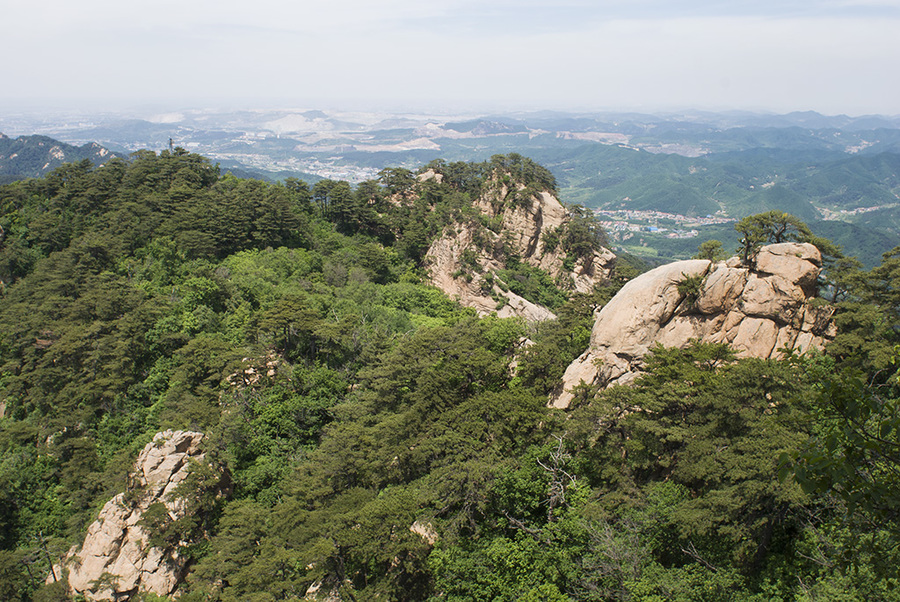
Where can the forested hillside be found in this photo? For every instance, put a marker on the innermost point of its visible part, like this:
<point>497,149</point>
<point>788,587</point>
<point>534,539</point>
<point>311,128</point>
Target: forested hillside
<point>854,196</point>
<point>33,156</point>
<point>381,442</point>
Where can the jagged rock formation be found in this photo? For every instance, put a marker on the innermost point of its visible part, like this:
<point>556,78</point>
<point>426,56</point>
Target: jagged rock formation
<point>757,310</point>
<point>116,559</point>
<point>464,261</point>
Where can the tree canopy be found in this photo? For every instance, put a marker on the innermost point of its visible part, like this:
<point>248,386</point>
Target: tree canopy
<point>385,442</point>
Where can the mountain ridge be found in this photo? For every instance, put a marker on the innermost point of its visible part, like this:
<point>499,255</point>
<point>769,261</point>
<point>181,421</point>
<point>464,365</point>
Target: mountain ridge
<point>36,155</point>
<point>385,442</point>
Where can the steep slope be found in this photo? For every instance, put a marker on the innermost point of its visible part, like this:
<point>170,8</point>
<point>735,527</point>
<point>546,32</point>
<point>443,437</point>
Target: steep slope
<point>119,556</point>
<point>468,260</point>
<point>759,311</point>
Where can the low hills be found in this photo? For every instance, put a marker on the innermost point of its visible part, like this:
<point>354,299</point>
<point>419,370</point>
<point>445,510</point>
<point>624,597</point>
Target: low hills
<point>836,169</point>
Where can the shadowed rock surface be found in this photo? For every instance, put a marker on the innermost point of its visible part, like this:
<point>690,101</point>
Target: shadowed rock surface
<point>757,310</point>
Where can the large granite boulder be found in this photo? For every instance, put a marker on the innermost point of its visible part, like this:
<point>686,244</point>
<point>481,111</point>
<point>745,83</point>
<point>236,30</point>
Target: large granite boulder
<point>116,559</point>
<point>758,310</point>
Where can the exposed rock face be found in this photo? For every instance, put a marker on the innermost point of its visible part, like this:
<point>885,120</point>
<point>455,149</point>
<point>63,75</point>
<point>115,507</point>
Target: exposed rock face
<point>426,531</point>
<point>430,174</point>
<point>445,263</point>
<point>522,226</point>
<point>116,560</point>
<point>757,311</point>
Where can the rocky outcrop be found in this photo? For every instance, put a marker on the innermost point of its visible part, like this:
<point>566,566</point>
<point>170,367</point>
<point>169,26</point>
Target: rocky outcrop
<point>116,559</point>
<point>758,311</point>
<point>465,260</point>
<point>474,282</point>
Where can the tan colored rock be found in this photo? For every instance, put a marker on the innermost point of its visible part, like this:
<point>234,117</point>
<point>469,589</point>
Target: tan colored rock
<point>425,531</point>
<point>116,560</point>
<point>755,337</point>
<point>517,307</point>
<point>772,297</point>
<point>319,592</point>
<point>721,289</point>
<point>797,262</point>
<point>472,289</point>
<point>631,321</point>
<point>758,311</point>
<point>523,226</point>
<point>589,271</point>
<point>430,175</point>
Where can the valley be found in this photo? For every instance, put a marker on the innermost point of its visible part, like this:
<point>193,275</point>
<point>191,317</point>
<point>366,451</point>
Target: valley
<point>842,171</point>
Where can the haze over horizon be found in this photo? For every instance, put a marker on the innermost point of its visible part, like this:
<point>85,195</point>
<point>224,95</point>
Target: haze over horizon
<point>830,56</point>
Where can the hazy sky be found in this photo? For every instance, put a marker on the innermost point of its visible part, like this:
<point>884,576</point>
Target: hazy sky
<point>833,56</point>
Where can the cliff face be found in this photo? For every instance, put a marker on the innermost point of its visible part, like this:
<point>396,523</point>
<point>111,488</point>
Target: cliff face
<point>464,261</point>
<point>116,559</point>
<point>758,311</point>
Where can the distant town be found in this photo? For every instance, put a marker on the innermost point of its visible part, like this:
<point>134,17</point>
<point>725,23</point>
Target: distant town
<point>672,225</point>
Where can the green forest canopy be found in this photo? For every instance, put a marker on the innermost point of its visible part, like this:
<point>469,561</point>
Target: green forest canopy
<point>132,291</point>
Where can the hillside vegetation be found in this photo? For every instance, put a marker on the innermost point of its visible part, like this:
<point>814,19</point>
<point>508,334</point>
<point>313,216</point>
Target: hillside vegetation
<point>33,156</point>
<point>385,443</point>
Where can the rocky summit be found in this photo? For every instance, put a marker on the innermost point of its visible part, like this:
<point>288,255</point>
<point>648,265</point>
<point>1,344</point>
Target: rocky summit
<point>759,310</point>
<point>464,261</point>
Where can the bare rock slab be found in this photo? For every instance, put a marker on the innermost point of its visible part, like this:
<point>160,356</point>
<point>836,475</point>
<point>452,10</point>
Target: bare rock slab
<point>116,559</point>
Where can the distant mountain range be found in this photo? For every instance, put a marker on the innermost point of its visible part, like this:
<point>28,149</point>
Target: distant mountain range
<point>841,169</point>
<point>34,156</point>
